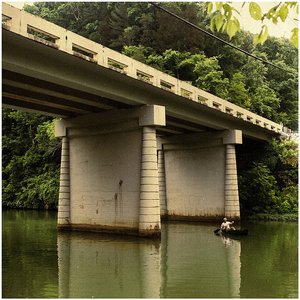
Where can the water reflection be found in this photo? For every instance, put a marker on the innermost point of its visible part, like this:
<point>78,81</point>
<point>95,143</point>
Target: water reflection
<point>213,271</point>
<point>189,262</point>
<point>101,266</point>
<point>181,265</point>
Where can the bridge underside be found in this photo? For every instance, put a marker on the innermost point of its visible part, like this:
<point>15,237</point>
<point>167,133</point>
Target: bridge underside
<point>118,174</point>
<point>63,85</point>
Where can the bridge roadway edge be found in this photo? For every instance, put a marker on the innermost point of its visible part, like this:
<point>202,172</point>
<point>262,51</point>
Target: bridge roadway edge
<point>100,81</point>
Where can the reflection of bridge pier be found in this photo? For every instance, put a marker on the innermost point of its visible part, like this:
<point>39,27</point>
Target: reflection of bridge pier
<point>63,249</point>
<point>188,250</point>
<point>97,266</point>
<point>93,265</point>
<point>150,261</point>
<point>234,268</point>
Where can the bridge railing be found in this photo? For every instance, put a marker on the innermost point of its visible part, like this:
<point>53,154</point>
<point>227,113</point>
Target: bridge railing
<point>54,36</point>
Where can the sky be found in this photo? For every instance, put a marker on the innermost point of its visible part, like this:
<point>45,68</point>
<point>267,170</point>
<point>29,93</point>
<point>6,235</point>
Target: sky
<point>282,29</point>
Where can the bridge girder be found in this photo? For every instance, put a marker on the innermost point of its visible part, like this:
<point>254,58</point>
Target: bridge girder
<point>42,79</point>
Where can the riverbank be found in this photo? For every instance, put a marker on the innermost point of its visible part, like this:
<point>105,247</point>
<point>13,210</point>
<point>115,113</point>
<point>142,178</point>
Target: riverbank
<point>273,217</point>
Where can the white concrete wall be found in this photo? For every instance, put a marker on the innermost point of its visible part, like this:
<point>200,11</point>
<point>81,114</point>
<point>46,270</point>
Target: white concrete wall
<point>109,193</point>
<point>195,182</point>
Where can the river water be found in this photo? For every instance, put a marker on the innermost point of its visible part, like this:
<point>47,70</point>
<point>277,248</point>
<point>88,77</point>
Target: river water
<point>189,261</point>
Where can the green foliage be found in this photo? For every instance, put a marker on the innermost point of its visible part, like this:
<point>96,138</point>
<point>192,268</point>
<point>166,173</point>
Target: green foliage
<point>265,102</point>
<point>288,217</point>
<point>262,36</point>
<point>30,161</point>
<point>286,151</point>
<point>260,180</point>
<point>255,11</point>
<point>294,37</point>
<point>273,176</point>
<point>223,19</point>
<point>238,92</point>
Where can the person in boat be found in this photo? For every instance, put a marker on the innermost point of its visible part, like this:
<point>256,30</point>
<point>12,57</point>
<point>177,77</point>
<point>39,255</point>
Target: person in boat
<point>226,225</point>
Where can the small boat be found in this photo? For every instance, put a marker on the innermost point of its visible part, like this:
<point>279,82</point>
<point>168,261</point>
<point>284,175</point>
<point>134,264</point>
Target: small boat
<point>231,232</point>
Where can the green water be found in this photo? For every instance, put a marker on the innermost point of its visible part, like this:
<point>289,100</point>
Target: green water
<point>188,262</point>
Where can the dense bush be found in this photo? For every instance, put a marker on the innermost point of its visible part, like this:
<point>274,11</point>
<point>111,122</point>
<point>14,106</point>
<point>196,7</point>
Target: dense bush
<point>269,184</point>
<point>30,161</point>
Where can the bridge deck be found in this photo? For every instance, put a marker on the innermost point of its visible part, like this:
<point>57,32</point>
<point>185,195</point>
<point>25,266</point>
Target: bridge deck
<point>21,89</point>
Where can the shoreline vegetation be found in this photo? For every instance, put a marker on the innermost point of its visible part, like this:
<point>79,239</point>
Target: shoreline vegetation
<point>259,217</point>
<point>265,217</point>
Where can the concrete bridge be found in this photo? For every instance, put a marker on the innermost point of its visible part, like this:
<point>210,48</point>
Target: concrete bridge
<point>137,144</point>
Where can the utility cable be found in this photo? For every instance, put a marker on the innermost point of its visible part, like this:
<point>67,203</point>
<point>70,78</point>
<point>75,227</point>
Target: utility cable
<point>217,38</point>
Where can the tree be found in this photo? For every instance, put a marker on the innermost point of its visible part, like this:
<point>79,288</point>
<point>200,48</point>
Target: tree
<point>265,102</point>
<point>260,180</point>
<point>140,53</point>
<point>238,92</point>
<point>210,76</point>
<point>272,172</point>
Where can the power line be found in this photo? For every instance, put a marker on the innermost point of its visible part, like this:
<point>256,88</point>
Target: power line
<point>217,38</point>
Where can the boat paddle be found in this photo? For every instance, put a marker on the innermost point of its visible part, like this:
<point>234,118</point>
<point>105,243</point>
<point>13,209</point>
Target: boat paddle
<point>217,230</point>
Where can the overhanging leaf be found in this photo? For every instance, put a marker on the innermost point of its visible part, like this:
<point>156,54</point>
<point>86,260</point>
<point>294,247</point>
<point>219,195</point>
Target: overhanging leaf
<point>212,25</point>
<point>232,28</point>
<point>256,39</point>
<point>228,11</point>
<point>264,34</point>
<point>210,7</point>
<point>218,21</point>
<point>294,37</point>
<point>283,12</point>
<point>219,5</point>
<point>255,11</point>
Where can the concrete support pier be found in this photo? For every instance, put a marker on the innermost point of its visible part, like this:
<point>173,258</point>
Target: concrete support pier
<point>232,203</point>
<point>64,185</point>
<point>109,174</point>
<point>162,183</point>
<point>149,214</point>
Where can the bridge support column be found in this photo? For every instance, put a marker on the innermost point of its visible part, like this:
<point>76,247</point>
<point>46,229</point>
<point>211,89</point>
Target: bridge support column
<point>149,208</point>
<point>232,203</point>
<point>162,182</point>
<point>64,185</point>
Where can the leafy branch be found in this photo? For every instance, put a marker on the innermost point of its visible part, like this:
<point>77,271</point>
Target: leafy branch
<point>224,18</point>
